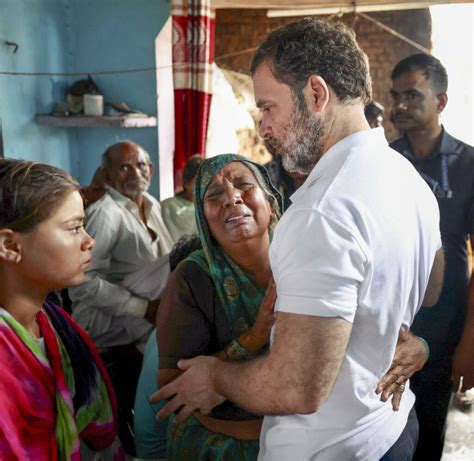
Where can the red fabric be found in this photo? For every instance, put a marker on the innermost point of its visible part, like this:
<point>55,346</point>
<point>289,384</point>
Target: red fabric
<point>193,55</point>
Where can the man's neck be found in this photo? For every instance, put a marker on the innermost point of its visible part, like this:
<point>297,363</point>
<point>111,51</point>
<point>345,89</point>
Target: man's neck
<point>138,200</point>
<point>422,142</point>
<point>347,120</point>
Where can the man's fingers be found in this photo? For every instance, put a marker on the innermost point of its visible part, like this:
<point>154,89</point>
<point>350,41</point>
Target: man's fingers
<point>183,414</point>
<point>396,399</point>
<point>164,393</point>
<point>395,391</point>
<point>205,410</point>
<point>171,406</point>
<point>185,364</point>
<point>397,386</point>
<point>390,378</point>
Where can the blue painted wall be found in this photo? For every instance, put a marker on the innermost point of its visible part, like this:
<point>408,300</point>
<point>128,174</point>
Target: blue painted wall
<point>76,36</point>
<point>37,27</point>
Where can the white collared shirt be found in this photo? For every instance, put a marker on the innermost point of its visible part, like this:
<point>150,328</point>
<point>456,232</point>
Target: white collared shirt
<point>358,242</point>
<point>111,314</point>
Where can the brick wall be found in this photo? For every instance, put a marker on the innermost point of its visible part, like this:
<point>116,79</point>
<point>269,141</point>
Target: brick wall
<point>238,30</point>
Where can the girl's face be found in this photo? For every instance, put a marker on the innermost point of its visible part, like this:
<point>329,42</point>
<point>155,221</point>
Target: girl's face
<point>56,252</point>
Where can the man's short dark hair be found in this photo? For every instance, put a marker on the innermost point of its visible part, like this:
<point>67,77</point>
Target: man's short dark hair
<point>317,47</point>
<point>431,67</point>
<point>373,109</point>
<point>191,168</point>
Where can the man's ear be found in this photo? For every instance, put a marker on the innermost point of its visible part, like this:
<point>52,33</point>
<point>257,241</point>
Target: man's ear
<point>106,176</point>
<point>442,101</point>
<point>152,168</point>
<point>10,248</point>
<point>319,92</point>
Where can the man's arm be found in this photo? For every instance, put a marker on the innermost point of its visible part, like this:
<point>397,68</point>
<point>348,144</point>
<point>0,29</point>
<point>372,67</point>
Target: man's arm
<point>463,364</point>
<point>435,282</point>
<point>296,376</point>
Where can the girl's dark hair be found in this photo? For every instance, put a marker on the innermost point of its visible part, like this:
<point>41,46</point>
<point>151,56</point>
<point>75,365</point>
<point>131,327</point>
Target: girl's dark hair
<point>30,192</point>
<point>192,167</point>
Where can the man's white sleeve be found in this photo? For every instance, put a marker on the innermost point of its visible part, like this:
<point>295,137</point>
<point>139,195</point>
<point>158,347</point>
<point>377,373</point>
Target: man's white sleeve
<point>320,264</point>
<point>97,292</point>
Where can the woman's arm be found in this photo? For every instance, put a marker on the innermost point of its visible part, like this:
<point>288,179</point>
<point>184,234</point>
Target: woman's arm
<point>251,341</point>
<point>410,356</point>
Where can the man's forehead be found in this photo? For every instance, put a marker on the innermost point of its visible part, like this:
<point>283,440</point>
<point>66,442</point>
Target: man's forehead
<point>266,86</point>
<point>129,153</point>
<point>411,79</point>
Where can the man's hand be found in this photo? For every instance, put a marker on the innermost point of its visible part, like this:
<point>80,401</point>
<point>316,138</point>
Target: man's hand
<point>191,391</point>
<point>463,362</point>
<point>463,365</point>
<point>410,357</point>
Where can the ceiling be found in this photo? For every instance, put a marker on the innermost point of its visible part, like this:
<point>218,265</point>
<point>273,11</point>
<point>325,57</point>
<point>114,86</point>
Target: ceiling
<point>329,7</point>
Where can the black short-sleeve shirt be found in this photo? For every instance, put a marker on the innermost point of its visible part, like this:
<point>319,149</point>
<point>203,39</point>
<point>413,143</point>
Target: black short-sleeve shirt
<point>456,213</point>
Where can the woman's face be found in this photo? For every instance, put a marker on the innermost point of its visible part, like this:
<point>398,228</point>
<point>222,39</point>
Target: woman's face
<point>235,206</point>
<point>56,253</point>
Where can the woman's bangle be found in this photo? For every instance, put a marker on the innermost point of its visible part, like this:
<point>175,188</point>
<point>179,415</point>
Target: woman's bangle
<point>235,351</point>
<point>425,345</point>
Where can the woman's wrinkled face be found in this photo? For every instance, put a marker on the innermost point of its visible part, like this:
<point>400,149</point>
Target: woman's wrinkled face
<point>57,251</point>
<point>235,206</point>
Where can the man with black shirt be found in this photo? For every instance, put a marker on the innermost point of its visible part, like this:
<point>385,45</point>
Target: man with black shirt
<point>419,86</point>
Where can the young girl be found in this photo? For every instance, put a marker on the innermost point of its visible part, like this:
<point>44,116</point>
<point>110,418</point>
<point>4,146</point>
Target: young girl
<point>56,400</point>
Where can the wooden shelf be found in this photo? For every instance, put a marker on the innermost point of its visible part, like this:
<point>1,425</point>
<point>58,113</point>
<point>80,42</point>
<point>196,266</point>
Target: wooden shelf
<point>87,121</point>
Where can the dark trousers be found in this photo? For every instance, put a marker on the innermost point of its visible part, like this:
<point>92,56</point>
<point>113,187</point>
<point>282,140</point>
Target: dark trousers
<point>123,364</point>
<point>404,447</point>
<point>432,387</point>
<point>441,326</point>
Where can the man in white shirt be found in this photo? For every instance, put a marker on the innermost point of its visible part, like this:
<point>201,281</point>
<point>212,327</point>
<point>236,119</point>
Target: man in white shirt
<point>127,226</point>
<point>353,259</point>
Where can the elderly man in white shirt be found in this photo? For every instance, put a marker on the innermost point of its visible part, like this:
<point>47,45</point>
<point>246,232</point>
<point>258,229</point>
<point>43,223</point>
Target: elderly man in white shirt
<point>130,234</point>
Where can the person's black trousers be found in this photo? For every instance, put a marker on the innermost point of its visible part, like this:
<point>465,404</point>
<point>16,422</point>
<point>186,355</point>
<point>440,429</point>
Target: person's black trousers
<point>404,447</point>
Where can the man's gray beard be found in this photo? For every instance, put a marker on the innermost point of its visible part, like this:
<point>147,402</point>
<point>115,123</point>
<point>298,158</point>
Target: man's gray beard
<point>302,143</point>
<point>137,189</point>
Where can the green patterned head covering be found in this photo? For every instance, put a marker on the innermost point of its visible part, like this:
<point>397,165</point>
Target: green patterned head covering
<point>240,296</point>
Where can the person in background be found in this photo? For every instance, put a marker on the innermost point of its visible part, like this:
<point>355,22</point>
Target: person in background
<point>130,234</point>
<point>374,114</point>
<point>96,189</point>
<point>149,431</point>
<point>56,400</point>
<point>285,182</point>
<point>178,211</point>
<point>419,96</point>
<point>343,293</point>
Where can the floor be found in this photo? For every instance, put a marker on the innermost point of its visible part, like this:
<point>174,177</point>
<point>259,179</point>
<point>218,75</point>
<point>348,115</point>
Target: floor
<point>459,443</point>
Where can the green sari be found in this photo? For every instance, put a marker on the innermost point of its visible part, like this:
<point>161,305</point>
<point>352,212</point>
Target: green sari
<point>241,298</point>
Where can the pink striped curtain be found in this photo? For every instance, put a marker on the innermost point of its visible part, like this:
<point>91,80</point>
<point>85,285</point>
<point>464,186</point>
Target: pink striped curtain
<point>193,55</point>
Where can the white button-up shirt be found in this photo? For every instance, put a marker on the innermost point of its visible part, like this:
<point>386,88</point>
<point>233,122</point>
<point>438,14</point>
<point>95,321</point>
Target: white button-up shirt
<point>110,313</point>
